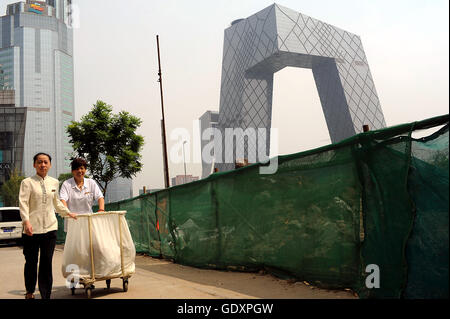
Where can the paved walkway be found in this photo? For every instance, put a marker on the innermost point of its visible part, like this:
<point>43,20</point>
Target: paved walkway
<point>160,279</point>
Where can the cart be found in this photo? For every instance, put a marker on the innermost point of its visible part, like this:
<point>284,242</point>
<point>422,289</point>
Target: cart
<point>88,283</point>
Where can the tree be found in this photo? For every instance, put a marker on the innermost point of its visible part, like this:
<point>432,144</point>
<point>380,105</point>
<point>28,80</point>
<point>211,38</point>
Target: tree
<point>64,177</point>
<point>10,189</point>
<point>108,142</point>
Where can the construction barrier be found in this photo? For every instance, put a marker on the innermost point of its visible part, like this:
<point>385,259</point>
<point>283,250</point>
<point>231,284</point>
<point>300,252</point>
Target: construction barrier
<point>369,213</point>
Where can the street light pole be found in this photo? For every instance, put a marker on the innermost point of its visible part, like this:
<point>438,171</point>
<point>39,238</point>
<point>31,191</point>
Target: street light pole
<point>184,160</point>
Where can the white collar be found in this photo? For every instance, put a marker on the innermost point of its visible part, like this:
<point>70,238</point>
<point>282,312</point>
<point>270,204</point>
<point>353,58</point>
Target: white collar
<point>75,184</point>
<point>39,177</point>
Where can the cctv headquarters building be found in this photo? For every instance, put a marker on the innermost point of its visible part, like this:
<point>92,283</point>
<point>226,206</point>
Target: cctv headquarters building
<point>277,37</point>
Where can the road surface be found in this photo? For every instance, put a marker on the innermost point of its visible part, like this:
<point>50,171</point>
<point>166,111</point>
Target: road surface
<point>161,279</point>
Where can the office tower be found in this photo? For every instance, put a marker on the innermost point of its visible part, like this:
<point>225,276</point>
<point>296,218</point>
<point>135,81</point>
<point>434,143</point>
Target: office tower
<point>277,37</point>
<point>36,53</point>
<point>183,179</point>
<point>119,189</point>
<point>12,132</point>
<point>209,120</point>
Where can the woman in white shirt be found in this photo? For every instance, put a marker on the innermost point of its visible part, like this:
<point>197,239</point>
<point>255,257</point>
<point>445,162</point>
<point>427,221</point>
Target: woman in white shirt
<point>79,193</point>
<point>38,200</point>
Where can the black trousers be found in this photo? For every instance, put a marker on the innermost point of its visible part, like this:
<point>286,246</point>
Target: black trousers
<point>32,245</point>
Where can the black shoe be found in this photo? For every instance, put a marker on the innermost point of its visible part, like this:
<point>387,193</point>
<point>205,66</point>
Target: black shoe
<point>29,295</point>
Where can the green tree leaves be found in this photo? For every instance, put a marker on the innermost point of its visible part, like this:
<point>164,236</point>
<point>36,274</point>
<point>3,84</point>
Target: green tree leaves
<point>64,177</point>
<point>10,189</point>
<point>108,142</point>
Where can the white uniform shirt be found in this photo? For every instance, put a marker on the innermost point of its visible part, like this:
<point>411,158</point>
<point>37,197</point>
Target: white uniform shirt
<point>80,201</point>
<point>38,200</point>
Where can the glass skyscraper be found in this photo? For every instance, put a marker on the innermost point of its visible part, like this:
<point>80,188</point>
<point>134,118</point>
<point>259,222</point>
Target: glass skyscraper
<point>277,37</point>
<point>119,189</point>
<point>36,54</point>
<point>208,120</point>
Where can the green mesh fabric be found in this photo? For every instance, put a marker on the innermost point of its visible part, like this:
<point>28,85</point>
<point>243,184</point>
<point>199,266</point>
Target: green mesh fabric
<point>287,222</point>
<point>380,197</point>
<point>387,211</point>
<point>427,249</point>
<point>60,233</point>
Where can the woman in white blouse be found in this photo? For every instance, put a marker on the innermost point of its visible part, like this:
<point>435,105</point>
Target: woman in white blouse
<point>38,200</point>
<point>79,193</point>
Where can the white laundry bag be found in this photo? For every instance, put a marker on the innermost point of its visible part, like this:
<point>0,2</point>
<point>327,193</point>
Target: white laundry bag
<point>107,256</point>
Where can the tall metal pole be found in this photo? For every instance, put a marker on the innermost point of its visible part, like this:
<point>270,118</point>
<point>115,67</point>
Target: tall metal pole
<point>163,125</point>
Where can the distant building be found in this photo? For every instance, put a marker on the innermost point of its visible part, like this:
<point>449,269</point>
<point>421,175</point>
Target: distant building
<point>12,135</point>
<point>183,179</point>
<point>276,37</point>
<point>36,54</point>
<point>209,119</point>
<point>119,189</point>
<point>7,97</point>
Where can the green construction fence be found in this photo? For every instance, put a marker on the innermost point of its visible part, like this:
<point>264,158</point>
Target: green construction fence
<point>326,216</point>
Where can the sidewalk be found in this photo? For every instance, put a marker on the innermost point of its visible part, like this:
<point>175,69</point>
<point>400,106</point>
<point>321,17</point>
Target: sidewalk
<point>160,279</point>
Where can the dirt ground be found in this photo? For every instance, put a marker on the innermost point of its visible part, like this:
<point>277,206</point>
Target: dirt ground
<point>162,279</point>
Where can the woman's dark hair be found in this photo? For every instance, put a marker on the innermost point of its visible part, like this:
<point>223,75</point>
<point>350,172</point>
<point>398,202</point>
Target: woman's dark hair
<point>37,155</point>
<point>78,162</point>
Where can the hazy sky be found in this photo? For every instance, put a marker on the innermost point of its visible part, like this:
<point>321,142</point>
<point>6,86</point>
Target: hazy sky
<point>405,41</point>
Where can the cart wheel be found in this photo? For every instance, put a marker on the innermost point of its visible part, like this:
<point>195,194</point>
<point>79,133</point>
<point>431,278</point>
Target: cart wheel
<point>73,290</point>
<point>108,283</point>
<point>125,285</point>
<point>88,292</point>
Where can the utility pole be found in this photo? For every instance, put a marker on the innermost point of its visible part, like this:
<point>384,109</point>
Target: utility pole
<point>163,125</point>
